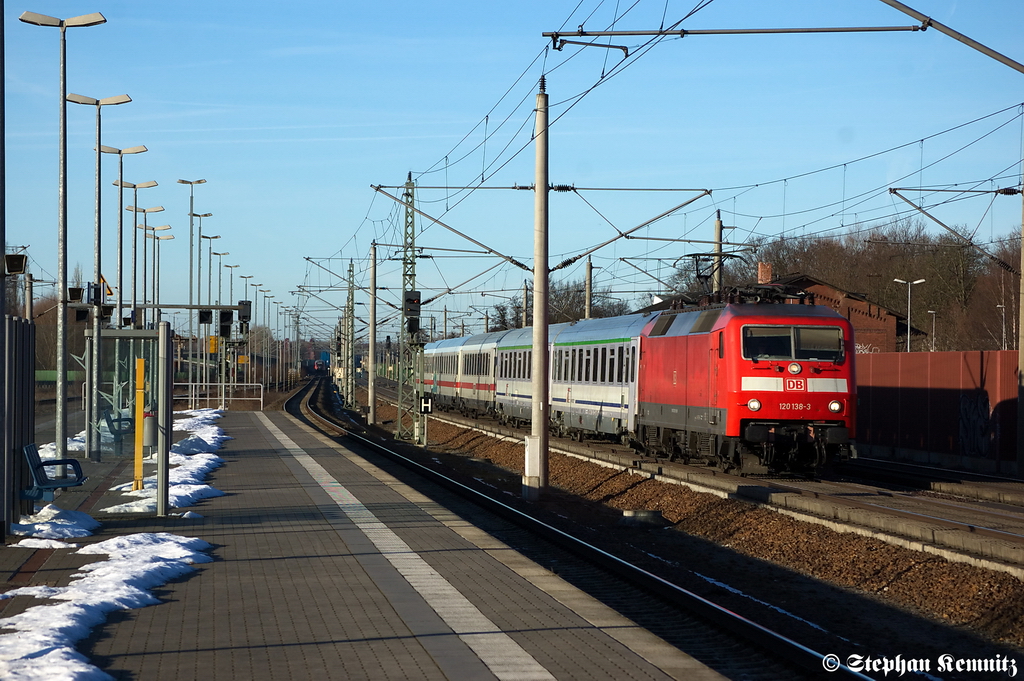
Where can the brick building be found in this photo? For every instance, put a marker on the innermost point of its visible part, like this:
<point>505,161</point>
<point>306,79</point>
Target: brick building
<point>876,327</point>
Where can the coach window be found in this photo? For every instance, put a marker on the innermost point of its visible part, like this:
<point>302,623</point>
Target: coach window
<point>586,366</point>
<point>620,366</point>
<point>579,365</point>
<point>604,364</point>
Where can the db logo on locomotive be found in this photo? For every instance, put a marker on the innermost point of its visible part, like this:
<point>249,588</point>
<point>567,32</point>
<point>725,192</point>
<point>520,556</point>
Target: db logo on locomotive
<point>796,384</point>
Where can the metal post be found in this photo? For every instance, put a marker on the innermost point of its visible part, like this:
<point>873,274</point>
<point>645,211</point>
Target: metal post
<point>60,421</point>
<point>135,243</point>
<point>525,324</point>
<point>908,316</point>
<point>29,311</point>
<point>191,254</point>
<point>371,353</point>
<point>164,382</point>
<point>535,479</point>
<point>588,302</point>
<point>932,313</point>
<point>716,267</point>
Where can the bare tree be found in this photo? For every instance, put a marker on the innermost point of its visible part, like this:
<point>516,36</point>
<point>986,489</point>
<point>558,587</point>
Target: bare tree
<point>566,303</point>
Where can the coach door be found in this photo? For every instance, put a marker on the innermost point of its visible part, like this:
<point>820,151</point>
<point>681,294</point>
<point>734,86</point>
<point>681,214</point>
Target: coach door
<point>631,372</point>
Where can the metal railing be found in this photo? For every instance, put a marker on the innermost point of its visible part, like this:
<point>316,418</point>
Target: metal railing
<point>216,395</point>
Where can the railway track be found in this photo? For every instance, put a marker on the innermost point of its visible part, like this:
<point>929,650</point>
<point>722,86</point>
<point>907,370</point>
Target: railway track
<point>735,646</point>
<point>978,527</point>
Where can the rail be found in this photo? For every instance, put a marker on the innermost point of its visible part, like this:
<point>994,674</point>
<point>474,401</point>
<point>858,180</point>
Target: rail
<point>786,648</point>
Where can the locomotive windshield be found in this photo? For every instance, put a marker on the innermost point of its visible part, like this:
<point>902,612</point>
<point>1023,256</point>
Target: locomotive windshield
<point>815,343</point>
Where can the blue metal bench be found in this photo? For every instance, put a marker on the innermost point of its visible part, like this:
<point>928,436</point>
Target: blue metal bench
<point>43,486</point>
<point>118,427</point>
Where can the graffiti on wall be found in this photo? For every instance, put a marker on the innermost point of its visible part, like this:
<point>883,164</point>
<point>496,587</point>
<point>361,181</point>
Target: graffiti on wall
<point>975,424</point>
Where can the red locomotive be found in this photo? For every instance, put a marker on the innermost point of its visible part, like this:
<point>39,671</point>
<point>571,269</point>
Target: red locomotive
<point>750,386</point>
<point>757,382</point>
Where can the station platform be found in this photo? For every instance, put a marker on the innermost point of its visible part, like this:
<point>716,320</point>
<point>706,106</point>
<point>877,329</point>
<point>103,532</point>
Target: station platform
<point>326,566</point>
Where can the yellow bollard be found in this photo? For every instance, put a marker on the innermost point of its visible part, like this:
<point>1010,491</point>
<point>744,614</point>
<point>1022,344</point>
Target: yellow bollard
<point>140,412</point>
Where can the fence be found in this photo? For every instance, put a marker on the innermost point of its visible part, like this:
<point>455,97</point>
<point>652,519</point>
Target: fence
<point>949,409</point>
<point>19,420</point>
<point>219,395</point>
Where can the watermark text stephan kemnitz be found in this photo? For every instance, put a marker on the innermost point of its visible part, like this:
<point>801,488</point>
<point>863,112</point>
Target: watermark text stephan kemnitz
<point>899,665</point>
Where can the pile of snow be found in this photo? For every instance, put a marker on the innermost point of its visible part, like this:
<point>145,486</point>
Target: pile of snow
<point>43,646</point>
<point>53,522</point>
<point>43,643</point>
<point>192,460</point>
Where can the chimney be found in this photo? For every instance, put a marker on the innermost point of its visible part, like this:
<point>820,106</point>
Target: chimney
<point>764,272</point>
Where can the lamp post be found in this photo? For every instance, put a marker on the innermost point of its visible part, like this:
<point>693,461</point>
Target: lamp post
<point>199,260</point>
<point>157,239</point>
<point>910,284</point>
<point>245,294</point>
<point>94,19</point>
<point>191,249</point>
<point>268,334</point>
<point>121,184</point>
<point>1002,309</point>
<point>255,316</point>
<point>92,444</point>
<point>275,342</point>
<point>144,226</point>
<point>220,272</point>
<point>231,283</point>
<point>209,264</point>
<point>146,229</point>
<point>199,257</point>
<point>932,313</point>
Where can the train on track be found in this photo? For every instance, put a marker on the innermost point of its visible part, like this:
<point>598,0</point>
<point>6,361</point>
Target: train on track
<point>760,382</point>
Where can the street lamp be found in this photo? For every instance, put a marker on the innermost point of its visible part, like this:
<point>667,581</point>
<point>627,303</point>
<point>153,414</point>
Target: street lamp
<point>199,257</point>
<point>231,283</point>
<point>1002,309</point>
<point>146,229</point>
<point>220,272</point>
<point>144,226</point>
<point>267,333</point>
<point>92,447</point>
<point>209,263</point>
<point>94,19</point>
<point>255,315</point>
<point>121,184</point>
<point>191,249</point>
<point>156,271</point>
<point>932,313</point>
<point>909,284</point>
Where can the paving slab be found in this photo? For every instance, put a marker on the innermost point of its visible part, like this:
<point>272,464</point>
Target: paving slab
<point>325,566</point>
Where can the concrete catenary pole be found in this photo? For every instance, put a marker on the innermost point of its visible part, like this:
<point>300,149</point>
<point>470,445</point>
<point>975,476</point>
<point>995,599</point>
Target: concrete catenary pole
<point>371,354</point>
<point>716,268</point>
<point>588,303</point>
<point>535,479</point>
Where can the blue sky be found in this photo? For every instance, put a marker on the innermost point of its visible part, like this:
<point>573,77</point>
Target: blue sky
<point>291,112</point>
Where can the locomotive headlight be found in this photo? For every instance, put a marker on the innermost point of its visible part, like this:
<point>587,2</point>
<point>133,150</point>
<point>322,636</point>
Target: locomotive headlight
<point>795,368</point>
<point>835,406</point>
<point>754,404</point>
